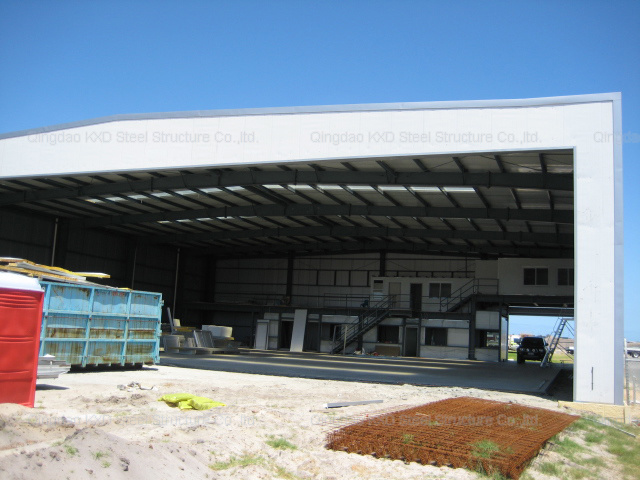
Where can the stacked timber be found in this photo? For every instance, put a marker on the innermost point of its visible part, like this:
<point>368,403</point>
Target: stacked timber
<point>46,272</point>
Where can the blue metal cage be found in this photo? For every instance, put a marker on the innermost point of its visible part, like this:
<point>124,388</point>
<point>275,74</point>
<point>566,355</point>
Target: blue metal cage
<point>94,325</point>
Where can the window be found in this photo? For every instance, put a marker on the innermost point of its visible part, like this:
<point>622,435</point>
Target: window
<point>487,339</point>
<point>359,278</point>
<point>326,277</point>
<point>435,336</point>
<point>388,334</point>
<point>536,276</point>
<point>329,330</point>
<point>438,290</point>
<point>342,278</point>
<point>565,276</point>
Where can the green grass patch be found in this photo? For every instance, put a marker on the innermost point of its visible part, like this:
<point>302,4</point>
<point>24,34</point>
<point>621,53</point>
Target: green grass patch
<point>484,448</point>
<point>106,464</point>
<point>99,455</point>
<point>570,449</point>
<point>549,468</point>
<point>407,438</point>
<point>583,424</point>
<point>233,462</point>
<point>280,443</point>
<point>71,450</point>
<point>594,461</point>
<point>575,473</point>
<point>624,448</point>
<point>286,474</point>
<point>594,437</point>
<point>627,453</point>
<point>558,357</point>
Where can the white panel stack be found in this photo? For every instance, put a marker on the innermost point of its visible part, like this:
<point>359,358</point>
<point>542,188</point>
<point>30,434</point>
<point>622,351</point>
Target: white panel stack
<point>299,326</point>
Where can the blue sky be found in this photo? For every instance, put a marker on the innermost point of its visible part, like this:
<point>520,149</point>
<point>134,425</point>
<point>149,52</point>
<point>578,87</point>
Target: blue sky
<point>67,61</point>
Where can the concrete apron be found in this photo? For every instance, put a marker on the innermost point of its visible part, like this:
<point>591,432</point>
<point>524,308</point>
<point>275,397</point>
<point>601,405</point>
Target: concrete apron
<point>503,376</point>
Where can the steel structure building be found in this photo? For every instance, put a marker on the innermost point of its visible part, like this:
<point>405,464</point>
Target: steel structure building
<point>261,204</point>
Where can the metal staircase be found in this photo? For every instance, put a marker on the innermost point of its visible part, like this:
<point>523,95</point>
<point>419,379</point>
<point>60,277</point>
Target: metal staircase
<point>555,339</point>
<point>461,297</point>
<point>366,321</point>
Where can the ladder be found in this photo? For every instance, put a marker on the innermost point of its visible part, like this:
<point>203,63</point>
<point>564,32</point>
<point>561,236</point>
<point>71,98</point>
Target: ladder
<point>555,339</point>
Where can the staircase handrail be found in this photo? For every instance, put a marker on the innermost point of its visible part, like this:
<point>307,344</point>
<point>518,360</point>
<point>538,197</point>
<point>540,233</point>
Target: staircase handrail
<point>470,288</point>
<point>366,320</point>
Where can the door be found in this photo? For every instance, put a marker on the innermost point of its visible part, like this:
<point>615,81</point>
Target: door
<point>415,298</point>
<point>286,330</point>
<point>411,342</point>
<point>311,336</point>
<point>394,293</point>
<point>262,332</point>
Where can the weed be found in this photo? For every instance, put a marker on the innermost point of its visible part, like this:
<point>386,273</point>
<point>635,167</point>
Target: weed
<point>626,451</point>
<point>594,437</point>
<point>549,468</point>
<point>106,464</point>
<point>484,448</point>
<point>234,462</point>
<point>497,476</point>
<point>407,438</point>
<point>480,469</point>
<point>581,424</point>
<point>280,443</point>
<point>508,450</point>
<point>576,473</point>
<point>594,461</point>
<point>286,474</point>
<point>99,455</point>
<point>490,474</point>
<point>570,449</point>
<point>71,450</point>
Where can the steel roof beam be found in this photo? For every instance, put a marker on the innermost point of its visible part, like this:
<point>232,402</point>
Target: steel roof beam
<point>546,181</point>
<point>313,210</point>
<point>367,232</point>
<point>357,247</point>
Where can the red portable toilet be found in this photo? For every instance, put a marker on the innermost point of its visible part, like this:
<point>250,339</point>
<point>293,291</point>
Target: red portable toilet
<point>20,322</point>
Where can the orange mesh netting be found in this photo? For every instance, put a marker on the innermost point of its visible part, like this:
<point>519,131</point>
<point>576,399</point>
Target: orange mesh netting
<point>481,435</point>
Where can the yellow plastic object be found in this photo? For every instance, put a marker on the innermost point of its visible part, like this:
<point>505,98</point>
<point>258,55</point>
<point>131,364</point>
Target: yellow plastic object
<point>187,401</point>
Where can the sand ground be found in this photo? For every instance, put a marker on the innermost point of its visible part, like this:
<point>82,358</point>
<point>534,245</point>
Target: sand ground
<point>84,426</point>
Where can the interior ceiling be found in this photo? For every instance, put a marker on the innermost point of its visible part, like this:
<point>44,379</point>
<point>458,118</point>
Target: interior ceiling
<point>480,205</point>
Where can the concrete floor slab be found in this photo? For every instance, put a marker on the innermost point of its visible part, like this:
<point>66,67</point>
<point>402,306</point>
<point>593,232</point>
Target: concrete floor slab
<point>503,376</point>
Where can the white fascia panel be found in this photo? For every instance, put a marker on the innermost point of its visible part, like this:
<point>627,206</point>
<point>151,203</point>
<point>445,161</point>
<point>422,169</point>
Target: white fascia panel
<point>207,141</point>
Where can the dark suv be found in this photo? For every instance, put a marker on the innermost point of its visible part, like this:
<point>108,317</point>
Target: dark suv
<point>531,348</point>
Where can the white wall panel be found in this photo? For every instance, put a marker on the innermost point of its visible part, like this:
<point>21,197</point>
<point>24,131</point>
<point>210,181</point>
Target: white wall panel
<point>458,337</point>
<point>458,353</point>
<point>511,276</point>
<point>487,320</point>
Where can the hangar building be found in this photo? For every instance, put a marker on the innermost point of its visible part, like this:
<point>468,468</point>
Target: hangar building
<point>418,228</point>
